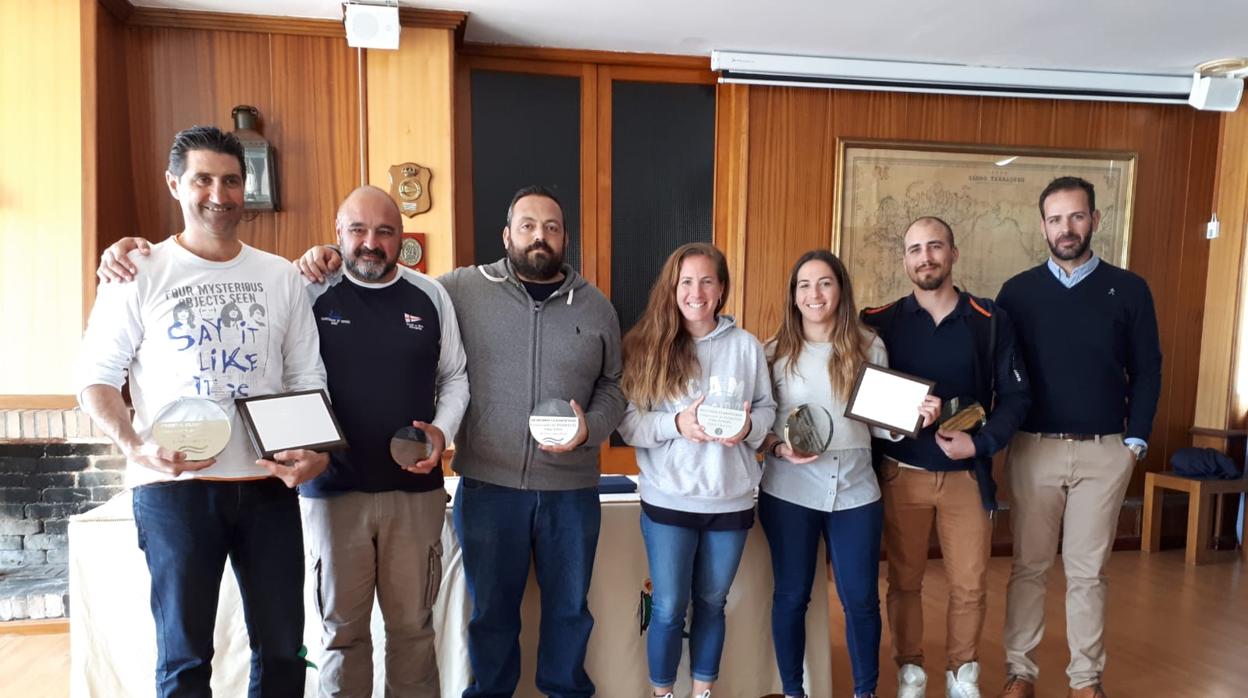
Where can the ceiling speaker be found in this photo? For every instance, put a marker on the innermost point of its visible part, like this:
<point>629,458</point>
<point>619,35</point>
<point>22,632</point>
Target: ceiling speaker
<point>372,26</point>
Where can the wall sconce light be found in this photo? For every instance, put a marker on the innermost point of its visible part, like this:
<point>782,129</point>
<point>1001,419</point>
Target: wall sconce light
<point>260,193</point>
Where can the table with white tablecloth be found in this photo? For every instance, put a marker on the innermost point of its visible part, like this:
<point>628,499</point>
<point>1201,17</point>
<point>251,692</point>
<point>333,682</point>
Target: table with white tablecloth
<point>113,647</point>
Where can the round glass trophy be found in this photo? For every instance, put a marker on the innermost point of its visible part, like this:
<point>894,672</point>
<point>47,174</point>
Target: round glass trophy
<point>196,426</point>
<point>808,430</point>
<point>721,419</point>
<point>409,446</point>
<point>553,422</point>
<point>961,414</point>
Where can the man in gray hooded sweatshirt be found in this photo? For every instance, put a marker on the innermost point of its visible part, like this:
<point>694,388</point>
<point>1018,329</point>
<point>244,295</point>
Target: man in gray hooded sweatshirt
<point>533,329</point>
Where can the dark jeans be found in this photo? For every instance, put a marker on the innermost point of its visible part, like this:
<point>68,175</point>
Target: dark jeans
<point>500,529</point>
<point>852,537</point>
<point>187,529</point>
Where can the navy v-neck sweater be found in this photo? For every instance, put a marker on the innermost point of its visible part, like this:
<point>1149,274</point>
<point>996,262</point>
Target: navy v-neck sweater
<point>1092,351</point>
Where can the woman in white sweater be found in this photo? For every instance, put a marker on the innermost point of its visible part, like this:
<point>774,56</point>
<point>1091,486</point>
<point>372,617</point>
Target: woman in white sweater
<point>833,495</point>
<point>697,485</point>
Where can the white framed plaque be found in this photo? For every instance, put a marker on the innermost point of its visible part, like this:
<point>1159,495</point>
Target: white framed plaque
<point>302,419</point>
<point>889,399</point>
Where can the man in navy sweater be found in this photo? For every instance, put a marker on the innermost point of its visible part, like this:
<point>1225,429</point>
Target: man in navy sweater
<point>1088,333</point>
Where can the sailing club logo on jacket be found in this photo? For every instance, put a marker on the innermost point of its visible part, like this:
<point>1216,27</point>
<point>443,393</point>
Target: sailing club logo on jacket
<point>334,318</point>
<point>414,322</point>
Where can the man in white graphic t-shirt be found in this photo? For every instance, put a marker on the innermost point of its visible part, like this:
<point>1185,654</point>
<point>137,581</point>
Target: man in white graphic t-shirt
<point>212,319</point>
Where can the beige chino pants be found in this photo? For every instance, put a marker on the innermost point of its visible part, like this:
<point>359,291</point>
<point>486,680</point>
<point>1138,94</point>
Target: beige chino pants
<point>1070,491</point>
<point>914,501</point>
<point>387,544</point>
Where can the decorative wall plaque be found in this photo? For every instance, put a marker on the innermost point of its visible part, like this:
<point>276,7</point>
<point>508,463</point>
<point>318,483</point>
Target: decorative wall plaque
<point>413,252</point>
<point>409,185</point>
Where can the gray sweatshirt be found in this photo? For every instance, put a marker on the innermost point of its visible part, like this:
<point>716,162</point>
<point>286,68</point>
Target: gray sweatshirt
<point>708,478</point>
<point>521,352</point>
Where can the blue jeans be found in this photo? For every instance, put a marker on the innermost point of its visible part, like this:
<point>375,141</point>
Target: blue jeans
<point>852,537</point>
<point>187,530</point>
<point>685,563</point>
<point>499,530</point>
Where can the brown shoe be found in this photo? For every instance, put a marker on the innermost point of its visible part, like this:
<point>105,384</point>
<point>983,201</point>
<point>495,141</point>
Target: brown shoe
<point>1093,691</point>
<point>1018,687</point>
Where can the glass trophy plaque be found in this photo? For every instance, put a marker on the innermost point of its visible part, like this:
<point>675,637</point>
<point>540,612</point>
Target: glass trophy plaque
<point>409,446</point>
<point>198,427</point>
<point>721,421</point>
<point>808,430</point>
<point>553,422</point>
<point>961,414</point>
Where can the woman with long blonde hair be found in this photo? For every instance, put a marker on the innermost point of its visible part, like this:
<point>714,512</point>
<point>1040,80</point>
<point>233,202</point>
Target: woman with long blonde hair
<point>815,357</point>
<point>696,486</point>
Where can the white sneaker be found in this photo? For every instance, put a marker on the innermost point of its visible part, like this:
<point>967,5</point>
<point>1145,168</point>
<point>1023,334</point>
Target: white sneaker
<point>911,681</point>
<point>964,684</point>
<point>704,694</point>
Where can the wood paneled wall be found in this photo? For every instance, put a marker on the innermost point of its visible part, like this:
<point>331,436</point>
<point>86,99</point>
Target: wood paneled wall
<point>114,192</point>
<point>792,143</point>
<point>1221,401</point>
<point>306,89</point>
<point>410,108</point>
<point>41,166</point>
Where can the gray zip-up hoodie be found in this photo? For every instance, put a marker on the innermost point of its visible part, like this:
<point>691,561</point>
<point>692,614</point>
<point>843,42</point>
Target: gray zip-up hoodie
<point>708,478</point>
<point>521,352</point>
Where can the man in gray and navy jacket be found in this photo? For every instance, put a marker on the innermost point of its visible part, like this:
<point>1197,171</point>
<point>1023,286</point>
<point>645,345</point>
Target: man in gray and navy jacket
<point>943,479</point>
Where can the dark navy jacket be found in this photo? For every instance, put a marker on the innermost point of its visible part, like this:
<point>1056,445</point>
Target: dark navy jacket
<point>998,377</point>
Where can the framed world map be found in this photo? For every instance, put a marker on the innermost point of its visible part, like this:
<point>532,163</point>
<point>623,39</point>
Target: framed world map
<point>988,195</point>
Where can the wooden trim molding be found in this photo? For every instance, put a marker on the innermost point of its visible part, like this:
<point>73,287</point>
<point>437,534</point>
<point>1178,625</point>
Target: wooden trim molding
<point>38,402</point>
<point>90,150</point>
<point>568,55</point>
<point>434,19</point>
<point>732,165</point>
<point>236,22</point>
<point>42,626</point>
<point>121,9</point>
<point>1218,433</point>
<point>271,24</point>
<point>464,222</point>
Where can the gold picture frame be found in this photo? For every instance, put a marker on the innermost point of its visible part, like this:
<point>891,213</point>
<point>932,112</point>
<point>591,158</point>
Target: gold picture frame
<point>988,194</point>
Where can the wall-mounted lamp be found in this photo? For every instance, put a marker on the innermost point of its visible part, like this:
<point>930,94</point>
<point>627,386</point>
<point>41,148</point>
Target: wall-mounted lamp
<point>261,192</point>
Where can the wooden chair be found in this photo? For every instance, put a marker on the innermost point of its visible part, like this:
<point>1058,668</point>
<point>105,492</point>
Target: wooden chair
<point>1200,495</point>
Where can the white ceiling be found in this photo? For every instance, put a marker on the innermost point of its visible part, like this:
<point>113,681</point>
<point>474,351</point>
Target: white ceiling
<point>1138,36</point>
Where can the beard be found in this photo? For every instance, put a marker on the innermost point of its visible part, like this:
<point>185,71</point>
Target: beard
<point>369,265</point>
<point>929,283</point>
<point>530,266</point>
<point>1070,253</point>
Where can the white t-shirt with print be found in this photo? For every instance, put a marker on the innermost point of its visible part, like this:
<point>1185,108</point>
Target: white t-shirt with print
<point>189,327</point>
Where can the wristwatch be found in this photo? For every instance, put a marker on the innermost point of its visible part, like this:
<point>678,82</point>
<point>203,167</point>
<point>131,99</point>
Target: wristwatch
<point>774,446</point>
<point>1139,451</point>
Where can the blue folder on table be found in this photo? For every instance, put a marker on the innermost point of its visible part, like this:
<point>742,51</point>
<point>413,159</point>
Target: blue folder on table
<point>616,484</point>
